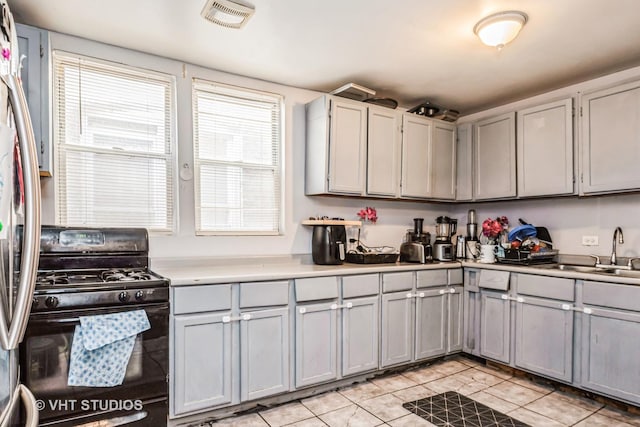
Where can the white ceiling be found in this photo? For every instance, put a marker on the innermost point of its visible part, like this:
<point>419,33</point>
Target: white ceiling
<point>409,50</point>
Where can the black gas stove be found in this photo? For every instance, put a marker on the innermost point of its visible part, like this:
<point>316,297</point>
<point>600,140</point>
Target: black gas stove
<point>86,268</point>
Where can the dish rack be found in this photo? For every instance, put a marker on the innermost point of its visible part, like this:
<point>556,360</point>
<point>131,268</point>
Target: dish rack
<point>523,257</point>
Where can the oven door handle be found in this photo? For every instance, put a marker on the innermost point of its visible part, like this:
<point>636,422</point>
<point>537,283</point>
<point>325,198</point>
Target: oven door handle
<point>12,328</point>
<point>30,405</point>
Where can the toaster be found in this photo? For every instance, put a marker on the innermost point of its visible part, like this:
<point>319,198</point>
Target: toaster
<point>415,252</point>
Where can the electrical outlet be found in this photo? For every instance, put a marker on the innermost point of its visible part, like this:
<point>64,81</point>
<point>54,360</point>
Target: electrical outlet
<point>590,241</point>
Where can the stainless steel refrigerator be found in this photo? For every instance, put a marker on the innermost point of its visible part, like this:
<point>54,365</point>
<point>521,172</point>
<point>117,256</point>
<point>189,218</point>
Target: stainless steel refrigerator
<point>19,213</point>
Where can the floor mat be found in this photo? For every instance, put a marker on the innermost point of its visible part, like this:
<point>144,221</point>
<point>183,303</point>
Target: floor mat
<point>451,409</point>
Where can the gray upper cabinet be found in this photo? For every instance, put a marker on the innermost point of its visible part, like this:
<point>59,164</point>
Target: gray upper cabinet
<point>443,161</point>
<point>383,152</point>
<point>202,362</point>
<point>336,135</point>
<point>464,163</point>
<point>416,156</point>
<point>495,158</point>
<point>545,149</point>
<point>264,355</point>
<point>610,139</point>
<point>34,45</point>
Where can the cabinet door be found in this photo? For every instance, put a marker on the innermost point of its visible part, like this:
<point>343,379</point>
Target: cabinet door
<point>610,349</point>
<point>431,321</point>
<point>347,145</point>
<point>545,149</point>
<point>397,328</point>
<point>495,321</point>
<point>495,158</point>
<point>383,152</point>
<point>202,362</point>
<point>33,43</point>
<point>416,156</point>
<point>360,338</point>
<point>610,141</point>
<point>443,161</point>
<point>544,337</point>
<point>464,163</point>
<point>455,320</point>
<point>264,353</point>
<point>316,343</point>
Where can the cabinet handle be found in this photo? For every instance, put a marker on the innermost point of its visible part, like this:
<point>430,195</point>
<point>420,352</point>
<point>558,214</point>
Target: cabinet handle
<point>420,295</point>
<point>349,305</point>
<point>334,306</point>
<point>228,319</point>
<point>452,291</point>
<point>504,296</point>
<point>587,310</point>
<point>246,317</point>
<point>302,310</point>
<point>519,299</point>
<point>442,292</point>
<point>567,307</point>
<point>409,295</point>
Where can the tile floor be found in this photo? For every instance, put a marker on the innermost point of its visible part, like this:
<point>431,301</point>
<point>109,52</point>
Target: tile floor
<point>378,402</point>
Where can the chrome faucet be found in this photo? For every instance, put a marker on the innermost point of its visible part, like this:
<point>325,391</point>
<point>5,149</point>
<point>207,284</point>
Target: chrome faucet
<point>616,232</point>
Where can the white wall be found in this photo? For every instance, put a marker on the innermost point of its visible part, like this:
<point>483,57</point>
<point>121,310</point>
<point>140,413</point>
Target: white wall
<point>568,219</point>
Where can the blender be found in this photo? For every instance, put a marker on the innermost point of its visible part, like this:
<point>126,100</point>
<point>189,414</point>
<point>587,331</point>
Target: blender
<point>443,247</point>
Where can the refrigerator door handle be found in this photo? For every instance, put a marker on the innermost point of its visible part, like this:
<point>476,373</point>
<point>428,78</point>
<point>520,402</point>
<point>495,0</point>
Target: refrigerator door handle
<point>10,337</point>
<point>30,405</point>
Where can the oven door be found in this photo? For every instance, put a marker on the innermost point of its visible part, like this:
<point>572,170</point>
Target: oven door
<point>44,363</point>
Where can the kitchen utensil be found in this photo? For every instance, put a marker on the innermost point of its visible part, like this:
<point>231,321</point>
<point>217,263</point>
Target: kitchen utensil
<point>461,247</point>
<point>425,109</point>
<point>384,102</point>
<point>521,232</point>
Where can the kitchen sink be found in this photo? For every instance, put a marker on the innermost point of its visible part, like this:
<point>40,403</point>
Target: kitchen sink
<point>596,270</point>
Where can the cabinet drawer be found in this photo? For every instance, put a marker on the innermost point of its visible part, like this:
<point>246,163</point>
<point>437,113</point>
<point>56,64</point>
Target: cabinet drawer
<point>360,286</point>
<point>392,282</point>
<point>197,299</point>
<point>494,279</point>
<point>316,288</point>
<point>455,276</point>
<point>262,294</point>
<point>431,278</point>
<point>547,287</point>
<point>626,297</point>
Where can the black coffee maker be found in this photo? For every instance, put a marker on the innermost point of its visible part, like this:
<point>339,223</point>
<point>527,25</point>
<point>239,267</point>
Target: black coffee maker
<point>328,244</point>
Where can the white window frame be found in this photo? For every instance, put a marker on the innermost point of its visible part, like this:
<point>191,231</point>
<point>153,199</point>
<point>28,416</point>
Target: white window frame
<point>211,86</point>
<point>170,157</point>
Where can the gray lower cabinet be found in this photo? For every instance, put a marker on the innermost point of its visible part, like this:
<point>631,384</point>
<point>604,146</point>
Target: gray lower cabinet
<point>360,337</point>
<point>431,323</point>
<point>544,337</point>
<point>264,355</point>
<point>202,362</point>
<point>397,328</point>
<point>495,325</point>
<point>455,319</point>
<point>316,343</point>
<point>610,349</point>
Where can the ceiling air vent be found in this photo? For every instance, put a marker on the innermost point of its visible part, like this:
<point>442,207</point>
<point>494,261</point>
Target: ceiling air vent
<point>227,13</point>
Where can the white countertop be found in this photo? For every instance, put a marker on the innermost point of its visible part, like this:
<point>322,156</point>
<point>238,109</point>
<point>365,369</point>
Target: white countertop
<point>193,271</point>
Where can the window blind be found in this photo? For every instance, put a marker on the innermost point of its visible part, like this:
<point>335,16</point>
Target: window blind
<point>237,139</point>
<point>114,144</point>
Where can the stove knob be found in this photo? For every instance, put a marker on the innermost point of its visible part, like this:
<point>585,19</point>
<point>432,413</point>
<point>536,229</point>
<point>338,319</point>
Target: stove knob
<point>51,302</point>
<point>34,302</point>
<point>139,296</point>
<point>124,296</point>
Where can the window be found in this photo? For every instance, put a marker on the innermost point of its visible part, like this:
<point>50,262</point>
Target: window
<point>237,138</point>
<point>114,144</point>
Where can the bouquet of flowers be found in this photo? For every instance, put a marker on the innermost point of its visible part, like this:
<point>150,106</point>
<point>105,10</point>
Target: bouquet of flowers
<point>493,230</point>
<point>368,214</point>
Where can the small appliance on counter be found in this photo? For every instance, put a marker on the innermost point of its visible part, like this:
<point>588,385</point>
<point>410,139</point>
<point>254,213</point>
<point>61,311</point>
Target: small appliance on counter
<point>329,240</point>
<point>471,241</point>
<point>417,247</point>
<point>443,247</point>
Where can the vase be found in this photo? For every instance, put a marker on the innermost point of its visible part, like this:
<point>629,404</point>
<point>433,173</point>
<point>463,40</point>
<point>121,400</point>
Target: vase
<point>487,254</point>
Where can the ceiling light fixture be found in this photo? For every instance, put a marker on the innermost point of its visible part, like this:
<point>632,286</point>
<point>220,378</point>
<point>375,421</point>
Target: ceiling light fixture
<point>500,28</point>
<point>227,13</point>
